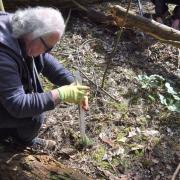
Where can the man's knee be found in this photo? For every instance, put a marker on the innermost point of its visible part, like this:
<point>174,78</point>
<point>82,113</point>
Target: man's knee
<point>26,134</point>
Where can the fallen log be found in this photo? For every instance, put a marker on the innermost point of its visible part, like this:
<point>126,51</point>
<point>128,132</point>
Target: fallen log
<point>15,4</point>
<point>26,165</point>
<point>159,31</point>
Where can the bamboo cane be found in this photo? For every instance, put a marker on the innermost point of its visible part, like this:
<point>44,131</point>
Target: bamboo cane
<point>1,6</point>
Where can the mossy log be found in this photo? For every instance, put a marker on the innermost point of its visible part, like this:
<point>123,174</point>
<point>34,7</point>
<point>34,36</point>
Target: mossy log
<point>27,165</point>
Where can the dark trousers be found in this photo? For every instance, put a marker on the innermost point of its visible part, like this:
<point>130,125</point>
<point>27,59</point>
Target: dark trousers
<point>161,7</point>
<point>23,130</point>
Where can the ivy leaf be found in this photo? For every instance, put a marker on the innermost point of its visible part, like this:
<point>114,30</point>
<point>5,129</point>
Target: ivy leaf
<point>153,81</point>
<point>167,95</point>
<point>169,89</point>
<point>176,97</point>
<point>152,98</point>
<point>174,107</point>
<point>162,99</point>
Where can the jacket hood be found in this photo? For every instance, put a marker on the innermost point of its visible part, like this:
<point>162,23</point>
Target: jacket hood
<point>6,37</point>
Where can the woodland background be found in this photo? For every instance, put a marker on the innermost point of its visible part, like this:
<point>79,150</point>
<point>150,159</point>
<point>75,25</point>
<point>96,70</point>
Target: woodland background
<point>133,121</point>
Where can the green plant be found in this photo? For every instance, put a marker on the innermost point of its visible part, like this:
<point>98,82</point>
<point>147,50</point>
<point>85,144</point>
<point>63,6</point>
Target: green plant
<point>158,89</point>
<point>122,107</point>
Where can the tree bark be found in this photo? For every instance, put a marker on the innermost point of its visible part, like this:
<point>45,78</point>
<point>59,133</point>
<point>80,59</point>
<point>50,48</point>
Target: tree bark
<point>15,4</point>
<point>26,165</point>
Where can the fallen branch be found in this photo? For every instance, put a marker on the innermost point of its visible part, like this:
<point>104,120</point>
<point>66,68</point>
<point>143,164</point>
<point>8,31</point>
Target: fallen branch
<point>163,33</point>
<point>176,172</point>
<point>159,31</point>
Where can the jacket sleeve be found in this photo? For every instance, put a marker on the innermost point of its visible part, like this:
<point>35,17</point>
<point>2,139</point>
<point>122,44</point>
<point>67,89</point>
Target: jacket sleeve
<point>12,94</point>
<point>55,71</point>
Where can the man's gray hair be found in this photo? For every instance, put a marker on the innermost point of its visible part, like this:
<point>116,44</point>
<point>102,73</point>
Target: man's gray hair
<point>38,20</point>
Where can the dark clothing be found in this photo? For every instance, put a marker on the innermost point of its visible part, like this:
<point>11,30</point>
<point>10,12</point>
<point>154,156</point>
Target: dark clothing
<point>161,7</point>
<point>22,100</point>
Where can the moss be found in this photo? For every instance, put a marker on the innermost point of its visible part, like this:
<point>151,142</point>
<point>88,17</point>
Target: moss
<point>147,163</point>
<point>143,121</point>
<point>55,176</point>
<point>98,156</point>
<point>121,137</point>
<point>85,142</point>
<point>99,153</point>
<point>155,140</point>
<point>122,107</point>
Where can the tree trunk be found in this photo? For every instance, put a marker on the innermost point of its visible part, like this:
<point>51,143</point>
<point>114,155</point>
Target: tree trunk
<point>26,165</point>
<point>15,4</point>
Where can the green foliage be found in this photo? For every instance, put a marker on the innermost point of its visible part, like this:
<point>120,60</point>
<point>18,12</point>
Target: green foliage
<point>122,107</point>
<point>98,157</point>
<point>149,82</point>
<point>55,176</point>
<point>160,90</point>
<point>121,137</point>
<point>85,142</point>
<point>99,153</point>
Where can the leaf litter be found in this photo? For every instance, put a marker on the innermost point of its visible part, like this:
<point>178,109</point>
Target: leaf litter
<point>137,138</point>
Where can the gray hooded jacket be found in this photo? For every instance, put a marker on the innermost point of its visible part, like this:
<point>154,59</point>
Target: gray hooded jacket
<point>21,94</point>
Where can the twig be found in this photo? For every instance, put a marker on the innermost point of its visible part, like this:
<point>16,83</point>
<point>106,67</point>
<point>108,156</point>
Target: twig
<point>176,172</point>
<point>11,158</point>
<point>99,88</point>
<point>116,44</point>
<point>79,5</point>
<point>69,15</point>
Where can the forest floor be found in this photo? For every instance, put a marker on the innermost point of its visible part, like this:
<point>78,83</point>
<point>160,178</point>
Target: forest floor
<point>134,136</point>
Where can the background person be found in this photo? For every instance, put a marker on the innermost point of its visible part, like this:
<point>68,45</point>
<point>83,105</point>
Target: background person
<point>161,10</point>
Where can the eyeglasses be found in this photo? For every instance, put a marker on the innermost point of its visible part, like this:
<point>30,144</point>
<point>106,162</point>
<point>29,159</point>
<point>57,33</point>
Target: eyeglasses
<point>48,49</point>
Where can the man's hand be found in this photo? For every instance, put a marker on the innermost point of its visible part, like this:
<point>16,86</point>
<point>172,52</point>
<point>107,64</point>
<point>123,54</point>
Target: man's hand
<point>85,104</point>
<point>74,94</point>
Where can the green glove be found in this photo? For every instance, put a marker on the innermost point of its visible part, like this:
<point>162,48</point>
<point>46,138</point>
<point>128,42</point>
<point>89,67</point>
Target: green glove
<point>73,93</point>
